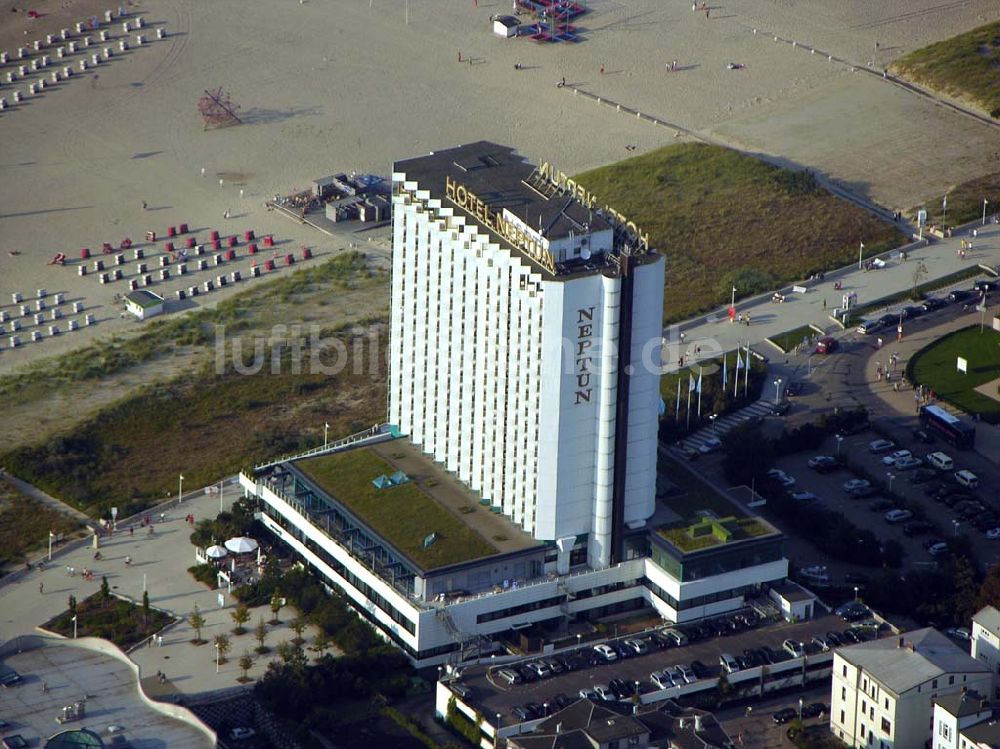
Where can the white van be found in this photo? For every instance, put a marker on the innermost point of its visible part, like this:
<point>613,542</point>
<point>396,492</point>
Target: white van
<point>967,479</point>
<point>728,663</point>
<point>940,461</point>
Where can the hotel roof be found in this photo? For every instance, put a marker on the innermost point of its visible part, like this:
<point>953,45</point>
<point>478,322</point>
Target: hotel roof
<point>988,618</point>
<point>430,501</point>
<point>925,654</point>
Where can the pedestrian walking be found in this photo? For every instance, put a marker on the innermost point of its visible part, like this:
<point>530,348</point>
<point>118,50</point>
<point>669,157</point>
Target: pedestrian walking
<point>162,516</point>
<point>241,192</point>
<point>602,70</point>
<point>144,205</point>
<point>41,587</point>
<point>131,530</point>
<point>203,171</point>
<point>225,215</point>
<point>824,304</point>
<point>747,319</point>
<point>221,182</point>
<point>460,55</point>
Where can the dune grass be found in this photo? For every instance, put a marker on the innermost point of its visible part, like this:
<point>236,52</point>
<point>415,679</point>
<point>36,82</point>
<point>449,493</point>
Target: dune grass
<point>965,200</point>
<point>724,219</point>
<point>966,67</point>
<point>25,526</point>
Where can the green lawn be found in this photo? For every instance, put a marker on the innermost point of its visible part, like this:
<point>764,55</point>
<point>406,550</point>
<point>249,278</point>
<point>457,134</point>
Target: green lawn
<point>965,67</point>
<point>404,515</point>
<point>724,219</point>
<point>696,496</point>
<point>114,619</point>
<point>935,366</point>
<point>791,338</point>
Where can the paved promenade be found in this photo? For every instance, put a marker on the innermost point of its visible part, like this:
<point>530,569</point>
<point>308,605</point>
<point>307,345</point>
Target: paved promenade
<point>714,333</point>
<point>160,563</point>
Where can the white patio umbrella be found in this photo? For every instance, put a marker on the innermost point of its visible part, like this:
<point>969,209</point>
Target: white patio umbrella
<point>216,552</point>
<point>241,545</point>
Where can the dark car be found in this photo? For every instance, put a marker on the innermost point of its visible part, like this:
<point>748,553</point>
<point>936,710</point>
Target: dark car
<point>835,639</point>
<point>853,611</point>
<point>850,637</point>
<point>522,713</point>
<point>826,345</point>
<point>813,710</point>
<point>561,701</point>
<point>535,709</point>
<point>881,505</point>
<point>984,285</point>
<point>917,528</point>
<point>700,669</point>
<point>862,492</point>
<point>780,409</point>
<point>784,715</point>
<point>932,303</point>
<point>889,321</point>
<point>923,475</point>
<point>621,688</point>
<point>922,435</point>
<point>909,313</point>
<point>960,295</point>
<point>793,388</point>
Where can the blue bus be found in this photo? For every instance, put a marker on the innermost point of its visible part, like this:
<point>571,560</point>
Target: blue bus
<point>948,426</point>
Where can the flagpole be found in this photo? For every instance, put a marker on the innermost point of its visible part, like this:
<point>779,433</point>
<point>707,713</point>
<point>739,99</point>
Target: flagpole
<point>736,379</point>
<point>677,411</point>
<point>688,409</point>
<point>746,374</point>
<point>699,393</point>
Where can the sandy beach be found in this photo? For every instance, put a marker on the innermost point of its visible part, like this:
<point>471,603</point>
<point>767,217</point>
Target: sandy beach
<point>348,85</point>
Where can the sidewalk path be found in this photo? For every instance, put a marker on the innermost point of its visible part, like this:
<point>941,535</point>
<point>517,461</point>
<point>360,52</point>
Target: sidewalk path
<point>714,333</point>
<point>160,563</point>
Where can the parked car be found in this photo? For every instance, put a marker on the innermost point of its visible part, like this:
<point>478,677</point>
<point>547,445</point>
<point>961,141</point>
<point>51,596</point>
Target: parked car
<point>932,303</point>
<point>959,633</point>
<point>785,715</point>
<point>993,533</point>
<point>813,710</point>
<point>687,673</point>
<point>606,652</point>
<point>898,516</point>
<point>588,694</point>
<point>728,663</point>
<point>862,492</point>
<point>826,345</point>
<point>891,458</point>
<point>908,464</point>
<point>522,713</point>
<point>510,676</point>
<point>540,669</point>
<point>890,320</point>
<point>923,475</point>
<point>603,692</point>
<point>535,710</point>
<point>908,313</point>
<point>821,642</point>
<point>880,446</point>
<point>985,285</point>
<point>822,463</point>
<point>690,453</point>
<point>700,669</point>
<point>241,732</point>
<point>640,646</point>
<point>960,295</point>
<point>917,528</point>
<point>562,701</point>
<point>710,445</point>
<point>794,648</point>
<point>661,679</point>
<point>803,496</point>
<point>853,484</point>
<point>621,688</point>
<point>780,409</point>
<point>967,479</point>
<point>781,477</point>
<point>869,326</point>
<point>835,639</point>
<point>937,549</point>
<point>853,611</point>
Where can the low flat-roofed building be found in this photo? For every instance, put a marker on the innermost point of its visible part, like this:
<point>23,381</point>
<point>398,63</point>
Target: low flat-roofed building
<point>884,690</point>
<point>144,303</point>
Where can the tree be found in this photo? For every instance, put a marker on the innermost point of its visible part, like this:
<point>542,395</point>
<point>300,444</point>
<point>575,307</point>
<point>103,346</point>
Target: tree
<point>145,605</point>
<point>197,622</point>
<point>321,643</point>
<point>298,626</point>
<point>246,663</point>
<point>919,274</point>
<point>260,632</point>
<point>71,604</point>
<point>222,645</point>
<point>989,590</point>
<point>241,615</point>
<point>291,654</point>
<point>275,608</point>
<point>105,588</point>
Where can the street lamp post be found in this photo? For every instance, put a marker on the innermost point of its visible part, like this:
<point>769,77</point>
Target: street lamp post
<point>74,626</point>
<point>326,434</point>
<point>579,636</point>
<point>956,524</point>
<point>840,441</point>
<point>51,536</point>
<point>180,488</point>
<point>732,306</point>
<point>985,201</point>
<point>777,390</point>
<point>499,721</point>
<point>861,251</point>
<point>855,592</point>
<point>712,418</point>
<point>216,657</point>
<point>800,708</point>
<point>890,476</point>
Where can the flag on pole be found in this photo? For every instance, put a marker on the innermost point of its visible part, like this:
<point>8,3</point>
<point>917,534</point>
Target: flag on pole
<point>944,202</point>
<point>698,386</point>
<point>677,412</point>
<point>724,371</point>
<point>688,408</point>
<point>699,392</point>
<point>736,379</point>
<point>746,372</point>
<point>691,384</point>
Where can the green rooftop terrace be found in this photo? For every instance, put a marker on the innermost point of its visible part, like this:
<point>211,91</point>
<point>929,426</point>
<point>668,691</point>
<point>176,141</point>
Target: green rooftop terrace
<point>710,532</point>
<point>404,515</point>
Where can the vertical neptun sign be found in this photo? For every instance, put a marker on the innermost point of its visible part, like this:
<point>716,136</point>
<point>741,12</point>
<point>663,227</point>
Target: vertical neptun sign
<point>583,360</point>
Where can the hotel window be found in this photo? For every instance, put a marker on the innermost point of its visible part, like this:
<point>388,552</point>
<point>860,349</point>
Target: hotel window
<point>951,679</point>
<point>934,684</point>
<point>843,693</point>
<point>886,727</point>
<point>945,731</point>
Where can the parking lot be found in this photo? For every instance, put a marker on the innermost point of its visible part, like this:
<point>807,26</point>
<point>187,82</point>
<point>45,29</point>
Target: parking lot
<point>491,695</point>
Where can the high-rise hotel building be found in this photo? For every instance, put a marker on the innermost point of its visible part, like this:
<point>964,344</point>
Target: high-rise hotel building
<point>525,332</point>
<point>513,484</point>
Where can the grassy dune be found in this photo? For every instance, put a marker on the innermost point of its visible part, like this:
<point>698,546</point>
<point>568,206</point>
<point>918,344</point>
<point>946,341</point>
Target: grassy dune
<point>966,67</point>
<point>723,219</point>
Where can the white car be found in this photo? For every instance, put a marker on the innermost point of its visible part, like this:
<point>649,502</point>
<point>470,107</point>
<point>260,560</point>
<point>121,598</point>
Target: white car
<point>893,457</point>
<point>959,633</point>
<point>710,445</point>
<point>908,464</point>
<point>688,673</point>
<point>804,497</point>
<point>781,477</point>
<point>936,550</point>
<point>855,484</point>
<point>241,733</point>
<point>993,533</point>
<point>881,446</point>
<point>606,652</point>
<point>898,516</point>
